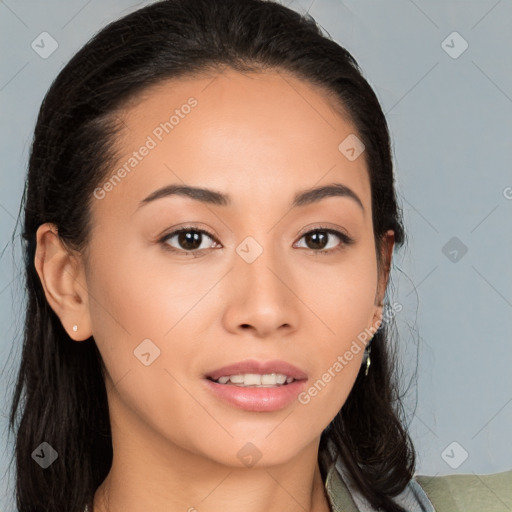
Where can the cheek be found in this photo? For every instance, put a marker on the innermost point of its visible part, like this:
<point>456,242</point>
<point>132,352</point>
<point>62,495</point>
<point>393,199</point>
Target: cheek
<point>124,306</point>
<point>342,295</point>
<point>137,295</point>
<point>142,321</point>
<point>137,292</point>
<point>343,302</point>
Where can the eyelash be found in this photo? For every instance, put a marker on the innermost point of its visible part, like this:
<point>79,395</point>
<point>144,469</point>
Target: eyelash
<point>345,240</point>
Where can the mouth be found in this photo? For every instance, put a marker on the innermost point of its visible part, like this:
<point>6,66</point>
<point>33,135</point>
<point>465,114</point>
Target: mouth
<point>255,380</point>
<point>257,373</point>
<point>257,386</point>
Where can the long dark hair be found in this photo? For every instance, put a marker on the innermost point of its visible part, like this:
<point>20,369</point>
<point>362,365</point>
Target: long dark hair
<point>60,394</point>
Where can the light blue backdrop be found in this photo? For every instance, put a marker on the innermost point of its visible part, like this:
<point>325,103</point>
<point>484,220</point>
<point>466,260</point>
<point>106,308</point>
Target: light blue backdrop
<point>443,73</point>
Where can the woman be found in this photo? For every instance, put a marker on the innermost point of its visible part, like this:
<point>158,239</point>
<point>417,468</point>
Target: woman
<point>210,219</point>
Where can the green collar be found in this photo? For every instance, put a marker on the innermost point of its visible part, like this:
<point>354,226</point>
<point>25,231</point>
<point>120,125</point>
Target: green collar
<point>338,493</point>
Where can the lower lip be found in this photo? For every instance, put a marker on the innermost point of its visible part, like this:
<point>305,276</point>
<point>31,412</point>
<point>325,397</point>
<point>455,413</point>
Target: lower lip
<point>257,399</point>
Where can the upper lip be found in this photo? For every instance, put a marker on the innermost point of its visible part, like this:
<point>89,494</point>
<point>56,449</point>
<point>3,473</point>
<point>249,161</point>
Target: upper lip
<point>260,367</point>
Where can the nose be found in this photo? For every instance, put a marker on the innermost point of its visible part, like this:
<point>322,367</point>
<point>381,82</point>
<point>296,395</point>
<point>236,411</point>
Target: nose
<point>263,297</point>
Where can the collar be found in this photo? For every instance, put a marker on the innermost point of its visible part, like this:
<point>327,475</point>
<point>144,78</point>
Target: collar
<point>345,497</point>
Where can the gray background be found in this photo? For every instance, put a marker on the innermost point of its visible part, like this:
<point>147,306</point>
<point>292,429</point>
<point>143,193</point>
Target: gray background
<point>450,119</point>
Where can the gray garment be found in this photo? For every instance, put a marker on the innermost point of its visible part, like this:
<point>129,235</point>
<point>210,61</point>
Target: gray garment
<point>413,498</point>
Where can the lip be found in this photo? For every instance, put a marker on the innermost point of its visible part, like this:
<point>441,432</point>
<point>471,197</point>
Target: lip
<point>261,367</point>
<point>257,399</point>
<point>253,398</point>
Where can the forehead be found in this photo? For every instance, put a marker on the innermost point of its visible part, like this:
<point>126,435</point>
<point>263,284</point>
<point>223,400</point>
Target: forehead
<point>254,136</point>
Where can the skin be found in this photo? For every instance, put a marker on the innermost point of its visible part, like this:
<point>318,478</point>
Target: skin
<point>259,138</point>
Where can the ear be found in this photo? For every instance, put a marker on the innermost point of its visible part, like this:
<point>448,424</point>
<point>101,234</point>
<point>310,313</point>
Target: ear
<point>386,257</point>
<point>63,280</point>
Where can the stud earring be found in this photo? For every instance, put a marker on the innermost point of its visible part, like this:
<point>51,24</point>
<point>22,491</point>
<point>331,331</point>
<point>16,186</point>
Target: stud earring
<point>75,327</point>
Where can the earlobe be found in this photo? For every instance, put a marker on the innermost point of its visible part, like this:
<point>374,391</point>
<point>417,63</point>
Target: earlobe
<point>62,280</point>
<point>377,317</point>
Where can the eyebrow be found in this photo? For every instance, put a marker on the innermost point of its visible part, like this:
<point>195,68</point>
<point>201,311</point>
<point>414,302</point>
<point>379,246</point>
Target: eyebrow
<point>205,195</point>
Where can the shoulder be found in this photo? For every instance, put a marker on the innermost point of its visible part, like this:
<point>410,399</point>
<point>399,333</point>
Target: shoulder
<point>449,493</point>
<point>469,492</point>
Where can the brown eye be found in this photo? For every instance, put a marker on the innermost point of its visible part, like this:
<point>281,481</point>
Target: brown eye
<point>318,239</point>
<point>188,240</point>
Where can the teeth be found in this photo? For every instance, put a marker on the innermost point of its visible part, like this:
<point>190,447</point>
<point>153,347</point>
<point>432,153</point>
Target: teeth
<point>273,379</point>
<point>256,380</point>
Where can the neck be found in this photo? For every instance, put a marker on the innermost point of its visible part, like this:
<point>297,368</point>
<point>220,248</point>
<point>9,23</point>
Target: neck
<point>150,472</point>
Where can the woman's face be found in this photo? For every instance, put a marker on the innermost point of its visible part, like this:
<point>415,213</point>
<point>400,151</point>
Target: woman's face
<point>166,313</point>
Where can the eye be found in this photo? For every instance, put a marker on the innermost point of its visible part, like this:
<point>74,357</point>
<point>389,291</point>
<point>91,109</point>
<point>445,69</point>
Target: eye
<point>189,240</point>
<point>318,238</point>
